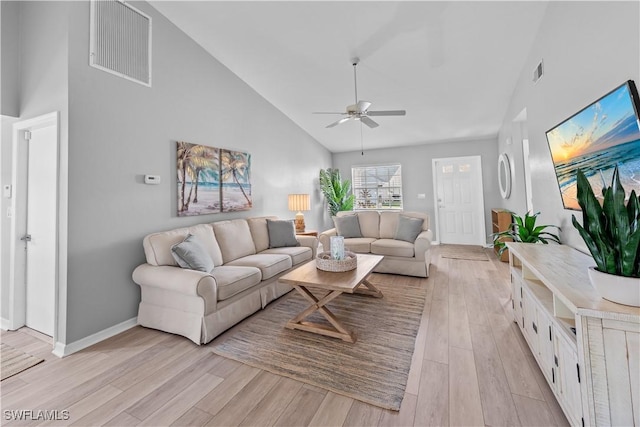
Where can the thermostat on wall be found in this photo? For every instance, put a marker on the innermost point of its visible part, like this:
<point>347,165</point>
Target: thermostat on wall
<point>152,179</point>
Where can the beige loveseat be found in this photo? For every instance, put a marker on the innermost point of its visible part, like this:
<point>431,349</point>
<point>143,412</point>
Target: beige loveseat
<point>201,305</point>
<point>378,230</point>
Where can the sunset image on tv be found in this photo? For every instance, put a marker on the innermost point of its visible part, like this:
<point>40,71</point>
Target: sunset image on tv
<point>596,139</point>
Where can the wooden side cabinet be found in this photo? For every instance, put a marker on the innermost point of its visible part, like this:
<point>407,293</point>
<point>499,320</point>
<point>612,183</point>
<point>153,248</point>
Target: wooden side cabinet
<point>588,348</point>
<point>501,221</point>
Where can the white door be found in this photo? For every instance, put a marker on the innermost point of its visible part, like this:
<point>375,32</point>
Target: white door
<point>459,203</point>
<point>41,229</point>
<point>34,225</point>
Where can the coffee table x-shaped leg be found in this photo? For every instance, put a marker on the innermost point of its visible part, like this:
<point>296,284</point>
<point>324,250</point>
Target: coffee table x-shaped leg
<point>319,305</point>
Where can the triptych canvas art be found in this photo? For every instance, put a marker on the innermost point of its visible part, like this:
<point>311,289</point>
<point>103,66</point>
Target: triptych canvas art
<point>212,180</point>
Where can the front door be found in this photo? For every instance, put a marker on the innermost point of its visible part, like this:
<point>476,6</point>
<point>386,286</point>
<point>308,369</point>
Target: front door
<point>459,202</point>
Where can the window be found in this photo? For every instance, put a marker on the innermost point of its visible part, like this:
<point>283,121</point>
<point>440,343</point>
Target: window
<point>377,187</point>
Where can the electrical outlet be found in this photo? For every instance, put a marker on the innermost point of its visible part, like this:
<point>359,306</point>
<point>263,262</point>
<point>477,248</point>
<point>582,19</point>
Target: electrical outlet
<point>422,196</point>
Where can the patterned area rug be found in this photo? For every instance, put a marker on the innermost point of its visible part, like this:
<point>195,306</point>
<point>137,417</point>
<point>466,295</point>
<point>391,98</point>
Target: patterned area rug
<point>15,361</point>
<point>473,253</point>
<point>373,370</point>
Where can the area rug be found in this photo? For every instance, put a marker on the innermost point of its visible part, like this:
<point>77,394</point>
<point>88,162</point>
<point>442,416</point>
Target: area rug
<point>473,253</point>
<point>373,370</point>
<point>15,361</point>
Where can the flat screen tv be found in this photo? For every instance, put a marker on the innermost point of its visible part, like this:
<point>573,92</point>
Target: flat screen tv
<point>602,135</point>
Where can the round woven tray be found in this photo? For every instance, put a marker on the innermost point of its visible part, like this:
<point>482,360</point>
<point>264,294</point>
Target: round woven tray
<point>326,263</point>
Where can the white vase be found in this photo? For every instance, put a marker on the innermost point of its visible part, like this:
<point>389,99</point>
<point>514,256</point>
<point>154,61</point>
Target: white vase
<point>620,289</point>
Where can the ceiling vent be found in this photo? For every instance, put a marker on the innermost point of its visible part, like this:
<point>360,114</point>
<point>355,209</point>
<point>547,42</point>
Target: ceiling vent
<point>120,40</point>
<point>537,72</point>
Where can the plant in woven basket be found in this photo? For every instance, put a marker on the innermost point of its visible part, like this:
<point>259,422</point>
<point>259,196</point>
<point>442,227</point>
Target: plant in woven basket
<point>525,230</point>
<point>611,231</point>
<point>336,191</point>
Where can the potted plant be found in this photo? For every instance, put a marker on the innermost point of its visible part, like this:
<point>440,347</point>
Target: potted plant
<point>611,232</point>
<point>524,230</point>
<point>336,191</point>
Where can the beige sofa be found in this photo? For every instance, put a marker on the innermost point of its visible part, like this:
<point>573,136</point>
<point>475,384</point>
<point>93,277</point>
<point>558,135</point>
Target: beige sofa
<point>201,305</point>
<point>378,231</point>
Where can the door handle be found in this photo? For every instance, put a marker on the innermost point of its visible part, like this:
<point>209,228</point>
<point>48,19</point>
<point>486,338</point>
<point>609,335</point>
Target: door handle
<point>26,238</point>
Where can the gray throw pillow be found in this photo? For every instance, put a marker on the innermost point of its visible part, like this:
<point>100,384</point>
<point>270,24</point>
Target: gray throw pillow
<point>282,233</point>
<point>347,226</point>
<point>192,255</point>
<point>408,228</point>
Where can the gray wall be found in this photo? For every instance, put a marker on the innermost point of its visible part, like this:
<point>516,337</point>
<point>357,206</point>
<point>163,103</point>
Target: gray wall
<point>580,66</point>
<point>417,175</point>
<point>10,77</point>
<point>119,131</point>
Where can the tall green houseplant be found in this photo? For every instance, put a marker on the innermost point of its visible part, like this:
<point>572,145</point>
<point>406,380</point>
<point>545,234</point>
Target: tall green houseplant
<point>611,231</point>
<point>336,191</point>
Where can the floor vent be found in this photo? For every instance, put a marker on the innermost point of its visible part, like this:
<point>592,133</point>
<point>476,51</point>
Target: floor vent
<point>120,40</point>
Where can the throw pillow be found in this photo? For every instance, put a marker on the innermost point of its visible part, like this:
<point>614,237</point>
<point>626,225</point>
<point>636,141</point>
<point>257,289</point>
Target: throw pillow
<point>282,233</point>
<point>408,228</point>
<point>192,255</point>
<point>347,226</point>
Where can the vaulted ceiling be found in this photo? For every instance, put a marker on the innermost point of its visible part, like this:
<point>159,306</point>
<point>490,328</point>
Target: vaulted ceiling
<point>451,65</point>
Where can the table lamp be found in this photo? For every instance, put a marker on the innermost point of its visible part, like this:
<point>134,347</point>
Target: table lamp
<point>299,203</point>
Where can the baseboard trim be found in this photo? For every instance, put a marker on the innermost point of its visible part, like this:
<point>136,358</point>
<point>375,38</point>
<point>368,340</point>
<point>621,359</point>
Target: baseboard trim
<point>63,350</point>
<point>5,324</point>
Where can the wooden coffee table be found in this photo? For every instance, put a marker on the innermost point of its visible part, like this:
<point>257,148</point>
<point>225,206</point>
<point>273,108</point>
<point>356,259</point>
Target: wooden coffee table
<point>335,284</point>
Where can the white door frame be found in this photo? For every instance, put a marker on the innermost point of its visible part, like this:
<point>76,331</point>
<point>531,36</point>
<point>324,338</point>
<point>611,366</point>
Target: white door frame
<point>481,215</point>
<point>17,288</point>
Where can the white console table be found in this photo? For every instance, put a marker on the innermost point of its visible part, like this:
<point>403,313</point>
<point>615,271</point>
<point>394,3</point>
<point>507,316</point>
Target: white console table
<point>587,347</point>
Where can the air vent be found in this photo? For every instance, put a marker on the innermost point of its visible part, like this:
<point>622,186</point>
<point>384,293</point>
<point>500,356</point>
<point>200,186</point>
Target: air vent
<point>120,40</point>
<point>537,72</point>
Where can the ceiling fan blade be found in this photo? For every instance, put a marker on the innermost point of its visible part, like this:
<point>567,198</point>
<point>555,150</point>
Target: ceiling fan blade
<point>367,121</point>
<point>342,120</point>
<point>387,113</point>
<point>326,112</point>
<point>363,106</point>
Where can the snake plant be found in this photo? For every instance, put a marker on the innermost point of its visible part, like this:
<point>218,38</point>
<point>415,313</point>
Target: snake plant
<point>611,231</point>
<point>524,230</point>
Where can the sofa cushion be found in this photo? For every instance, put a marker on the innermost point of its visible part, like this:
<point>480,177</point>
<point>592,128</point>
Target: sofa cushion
<point>234,238</point>
<point>282,233</point>
<point>233,280</point>
<point>192,255</point>
<point>157,246</point>
<point>298,254</point>
<point>392,247</point>
<point>347,226</point>
<point>369,223</point>
<point>259,232</point>
<point>408,228</point>
<point>360,244</point>
<point>388,224</point>
<point>269,264</point>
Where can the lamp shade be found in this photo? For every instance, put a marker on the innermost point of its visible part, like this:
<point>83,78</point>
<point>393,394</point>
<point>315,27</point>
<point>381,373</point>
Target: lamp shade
<point>299,202</point>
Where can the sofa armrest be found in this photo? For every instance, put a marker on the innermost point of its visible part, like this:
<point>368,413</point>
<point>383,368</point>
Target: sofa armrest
<point>325,238</point>
<point>180,280</point>
<point>422,244</point>
<point>309,242</point>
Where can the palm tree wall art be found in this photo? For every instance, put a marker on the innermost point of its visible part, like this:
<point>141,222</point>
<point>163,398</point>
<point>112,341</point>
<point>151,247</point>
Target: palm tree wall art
<point>212,180</point>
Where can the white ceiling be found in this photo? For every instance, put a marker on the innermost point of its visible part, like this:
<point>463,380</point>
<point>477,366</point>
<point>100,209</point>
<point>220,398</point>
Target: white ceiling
<point>451,65</point>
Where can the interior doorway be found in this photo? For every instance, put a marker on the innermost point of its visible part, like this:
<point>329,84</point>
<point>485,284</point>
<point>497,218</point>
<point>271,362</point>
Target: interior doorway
<point>34,225</point>
<point>459,200</point>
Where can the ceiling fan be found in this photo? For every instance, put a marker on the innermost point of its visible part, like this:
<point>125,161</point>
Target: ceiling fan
<point>360,110</point>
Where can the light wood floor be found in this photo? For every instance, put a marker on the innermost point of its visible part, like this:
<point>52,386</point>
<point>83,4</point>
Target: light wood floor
<point>471,367</point>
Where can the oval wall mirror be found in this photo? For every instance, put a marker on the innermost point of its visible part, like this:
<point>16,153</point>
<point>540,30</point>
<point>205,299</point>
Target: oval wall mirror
<point>504,175</point>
